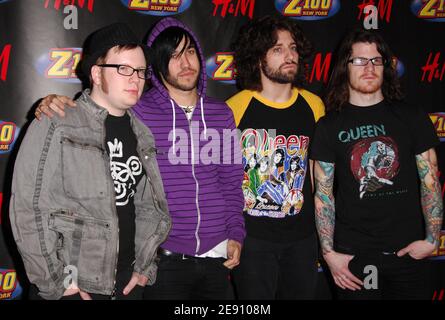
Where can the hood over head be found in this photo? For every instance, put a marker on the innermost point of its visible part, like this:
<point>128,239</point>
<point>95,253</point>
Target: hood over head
<point>162,25</point>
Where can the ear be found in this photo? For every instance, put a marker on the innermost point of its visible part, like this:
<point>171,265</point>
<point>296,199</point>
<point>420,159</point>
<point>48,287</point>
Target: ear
<point>96,73</point>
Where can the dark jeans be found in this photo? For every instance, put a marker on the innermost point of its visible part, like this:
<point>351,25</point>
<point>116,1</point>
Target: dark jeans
<point>122,279</point>
<point>192,278</point>
<point>271,270</point>
<point>398,278</point>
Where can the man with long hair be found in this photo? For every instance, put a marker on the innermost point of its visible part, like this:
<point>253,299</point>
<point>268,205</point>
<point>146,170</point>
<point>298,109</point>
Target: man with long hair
<point>280,252</point>
<point>378,146</point>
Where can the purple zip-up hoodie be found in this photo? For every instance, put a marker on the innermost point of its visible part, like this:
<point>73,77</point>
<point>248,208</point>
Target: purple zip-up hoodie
<point>205,200</point>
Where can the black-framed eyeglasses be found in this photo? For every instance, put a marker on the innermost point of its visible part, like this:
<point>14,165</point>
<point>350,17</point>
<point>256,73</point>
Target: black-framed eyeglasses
<point>360,61</point>
<point>122,69</point>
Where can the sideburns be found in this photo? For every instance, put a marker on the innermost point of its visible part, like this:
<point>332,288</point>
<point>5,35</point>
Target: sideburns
<point>104,82</point>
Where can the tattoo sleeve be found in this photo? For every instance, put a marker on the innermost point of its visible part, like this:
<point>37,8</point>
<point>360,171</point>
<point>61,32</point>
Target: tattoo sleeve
<point>324,204</point>
<point>430,193</point>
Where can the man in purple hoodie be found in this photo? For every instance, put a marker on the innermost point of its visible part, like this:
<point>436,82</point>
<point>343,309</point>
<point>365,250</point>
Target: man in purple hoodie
<point>203,191</point>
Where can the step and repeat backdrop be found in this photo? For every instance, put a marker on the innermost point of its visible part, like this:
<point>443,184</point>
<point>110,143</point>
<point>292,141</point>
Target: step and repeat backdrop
<point>41,45</point>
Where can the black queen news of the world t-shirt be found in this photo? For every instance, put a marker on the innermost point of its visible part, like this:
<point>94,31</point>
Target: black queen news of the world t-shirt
<point>377,198</point>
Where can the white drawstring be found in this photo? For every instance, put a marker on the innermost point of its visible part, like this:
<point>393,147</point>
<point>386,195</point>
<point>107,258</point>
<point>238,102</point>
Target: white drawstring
<point>203,120</point>
<point>174,125</point>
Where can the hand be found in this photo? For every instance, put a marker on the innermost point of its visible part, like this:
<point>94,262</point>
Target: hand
<point>418,249</point>
<point>338,264</point>
<point>53,103</point>
<point>74,290</point>
<point>233,254</point>
<point>136,279</point>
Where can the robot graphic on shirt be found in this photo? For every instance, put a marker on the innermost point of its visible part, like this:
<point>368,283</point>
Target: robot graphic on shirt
<point>374,163</point>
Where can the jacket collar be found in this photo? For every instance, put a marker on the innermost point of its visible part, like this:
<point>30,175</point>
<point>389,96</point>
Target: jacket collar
<point>98,112</point>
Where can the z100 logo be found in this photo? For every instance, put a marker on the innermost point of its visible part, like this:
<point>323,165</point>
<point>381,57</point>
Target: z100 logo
<point>430,10</point>
<point>439,254</point>
<point>221,67</point>
<point>438,120</point>
<point>9,286</point>
<point>308,9</point>
<point>158,7</point>
<point>60,64</point>
<point>8,135</point>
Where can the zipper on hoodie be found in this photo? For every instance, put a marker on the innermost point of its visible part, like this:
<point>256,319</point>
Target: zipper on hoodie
<point>189,121</point>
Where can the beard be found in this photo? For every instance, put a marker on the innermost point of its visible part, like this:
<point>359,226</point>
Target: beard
<point>365,87</point>
<point>277,75</point>
<point>174,82</point>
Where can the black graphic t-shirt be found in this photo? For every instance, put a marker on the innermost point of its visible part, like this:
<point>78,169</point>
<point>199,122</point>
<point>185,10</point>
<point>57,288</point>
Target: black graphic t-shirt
<point>126,172</point>
<point>377,186</point>
<point>275,142</point>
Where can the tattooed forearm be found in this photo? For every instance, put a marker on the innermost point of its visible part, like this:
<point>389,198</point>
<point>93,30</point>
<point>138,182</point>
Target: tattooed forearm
<point>431,198</point>
<point>324,204</point>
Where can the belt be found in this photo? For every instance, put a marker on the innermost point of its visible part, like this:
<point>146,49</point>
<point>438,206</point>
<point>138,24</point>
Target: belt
<point>174,255</point>
<point>389,253</point>
<point>352,251</point>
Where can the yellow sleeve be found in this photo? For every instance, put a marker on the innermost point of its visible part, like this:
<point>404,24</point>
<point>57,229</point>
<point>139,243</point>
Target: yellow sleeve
<point>315,103</point>
<point>239,103</point>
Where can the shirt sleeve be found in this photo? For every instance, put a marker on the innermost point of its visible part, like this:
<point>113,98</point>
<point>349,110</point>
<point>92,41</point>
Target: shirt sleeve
<point>424,133</point>
<point>230,177</point>
<point>322,147</point>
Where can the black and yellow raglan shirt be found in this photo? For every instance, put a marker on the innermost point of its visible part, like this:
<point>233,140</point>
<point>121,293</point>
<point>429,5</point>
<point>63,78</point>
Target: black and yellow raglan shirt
<point>275,142</point>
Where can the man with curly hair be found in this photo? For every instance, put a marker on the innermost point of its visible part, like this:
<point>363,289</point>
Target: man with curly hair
<point>279,258</point>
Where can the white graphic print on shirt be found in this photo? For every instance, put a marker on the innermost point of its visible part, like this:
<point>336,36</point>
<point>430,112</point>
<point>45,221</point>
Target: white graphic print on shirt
<point>123,173</point>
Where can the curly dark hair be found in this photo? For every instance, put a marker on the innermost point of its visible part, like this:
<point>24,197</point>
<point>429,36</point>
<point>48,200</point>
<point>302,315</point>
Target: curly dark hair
<point>255,39</point>
<point>337,93</point>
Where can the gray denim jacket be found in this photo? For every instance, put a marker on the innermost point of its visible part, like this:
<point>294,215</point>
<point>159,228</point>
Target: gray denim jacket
<point>62,207</point>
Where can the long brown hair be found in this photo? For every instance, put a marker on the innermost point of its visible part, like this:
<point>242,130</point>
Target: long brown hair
<point>338,87</point>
